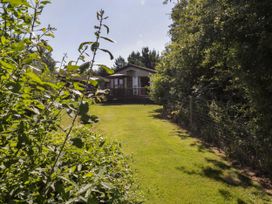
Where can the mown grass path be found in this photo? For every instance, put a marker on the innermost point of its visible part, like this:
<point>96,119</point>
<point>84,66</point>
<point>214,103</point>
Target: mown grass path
<point>171,166</point>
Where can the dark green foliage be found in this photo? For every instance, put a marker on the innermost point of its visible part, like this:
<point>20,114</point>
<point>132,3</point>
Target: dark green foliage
<point>119,63</point>
<point>40,161</point>
<point>135,58</point>
<point>221,53</point>
<point>150,57</point>
<point>147,58</point>
<point>91,169</point>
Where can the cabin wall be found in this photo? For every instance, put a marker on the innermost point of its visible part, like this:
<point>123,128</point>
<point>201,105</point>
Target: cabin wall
<point>138,72</point>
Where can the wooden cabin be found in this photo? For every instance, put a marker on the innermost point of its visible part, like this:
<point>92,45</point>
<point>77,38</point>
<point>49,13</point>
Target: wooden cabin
<point>129,82</point>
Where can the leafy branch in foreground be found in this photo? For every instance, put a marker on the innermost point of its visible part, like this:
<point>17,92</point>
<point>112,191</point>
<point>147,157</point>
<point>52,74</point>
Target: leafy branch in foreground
<point>83,109</point>
<point>40,160</point>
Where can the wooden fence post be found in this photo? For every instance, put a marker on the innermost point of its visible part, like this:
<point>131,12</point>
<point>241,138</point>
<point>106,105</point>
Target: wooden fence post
<point>191,111</point>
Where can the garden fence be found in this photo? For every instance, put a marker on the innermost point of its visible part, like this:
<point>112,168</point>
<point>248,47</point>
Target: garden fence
<point>223,126</point>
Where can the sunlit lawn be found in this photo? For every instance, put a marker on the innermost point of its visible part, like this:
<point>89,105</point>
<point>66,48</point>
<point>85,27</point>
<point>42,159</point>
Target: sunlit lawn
<point>171,166</point>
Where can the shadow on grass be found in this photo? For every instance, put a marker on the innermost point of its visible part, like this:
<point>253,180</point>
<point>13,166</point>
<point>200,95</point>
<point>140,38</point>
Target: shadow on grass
<point>221,172</point>
<point>228,196</point>
<point>182,133</point>
<point>158,114</point>
<point>215,169</point>
<point>225,194</point>
<point>201,147</point>
<point>240,201</point>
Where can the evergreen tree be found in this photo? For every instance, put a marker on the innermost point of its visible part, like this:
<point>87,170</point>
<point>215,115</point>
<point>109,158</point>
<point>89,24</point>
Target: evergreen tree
<point>119,63</point>
<point>149,57</point>
<point>135,58</point>
<point>146,58</point>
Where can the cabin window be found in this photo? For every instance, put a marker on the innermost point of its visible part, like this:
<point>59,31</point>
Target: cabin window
<point>121,83</point>
<point>115,83</point>
<point>145,81</point>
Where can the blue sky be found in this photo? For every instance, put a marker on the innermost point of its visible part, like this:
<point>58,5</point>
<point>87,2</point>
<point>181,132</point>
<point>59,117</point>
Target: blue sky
<point>133,24</point>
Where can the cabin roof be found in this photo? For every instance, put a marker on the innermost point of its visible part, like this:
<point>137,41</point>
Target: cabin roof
<point>137,67</point>
<point>117,75</point>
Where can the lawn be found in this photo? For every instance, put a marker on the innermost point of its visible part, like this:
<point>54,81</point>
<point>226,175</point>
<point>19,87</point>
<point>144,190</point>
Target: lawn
<point>171,166</point>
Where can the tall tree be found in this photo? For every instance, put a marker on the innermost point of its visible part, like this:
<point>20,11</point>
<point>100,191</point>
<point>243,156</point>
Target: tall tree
<point>119,63</point>
<point>221,52</point>
<point>135,58</point>
<point>147,58</point>
<point>150,57</point>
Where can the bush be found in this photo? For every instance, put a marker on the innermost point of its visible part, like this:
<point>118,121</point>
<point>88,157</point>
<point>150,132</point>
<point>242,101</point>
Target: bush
<point>41,162</point>
<point>92,170</point>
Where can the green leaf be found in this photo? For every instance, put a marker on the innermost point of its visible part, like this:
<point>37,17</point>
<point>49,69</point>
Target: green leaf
<point>78,87</point>
<point>59,187</point>
<point>89,119</point>
<point>83,189</point>
<point>30,58</point>
<point>18,46</point>
<point>107,69</point>
<point>83,108</point>
<point>86,119</point>
<point>84,67</point>
<point>77,142</point>
<point>34,77</point>
<point>71,67</point>
<point>98,15</point>
<point>93,82</point>
<point>111,56</point>
<point>94,118</point>
<point>45,2</point>
<point>107,39</point>
<point>3,40</point>
<point>107,185</point>
<point>76,92</point>
<point>83,44</point>
<point>88,175</point>
<point>73,168</point>
<point>17,2</point>
<point>7,65</point>
<point>107,28</point>
<point>95,46</point>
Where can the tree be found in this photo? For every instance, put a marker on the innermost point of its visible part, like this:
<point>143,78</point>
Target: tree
<point>135,58</point>
<point>149,57</point>
<point>119,63</point>
<point>221,52</point>
<point>146,58</point>
<point>42,161</point>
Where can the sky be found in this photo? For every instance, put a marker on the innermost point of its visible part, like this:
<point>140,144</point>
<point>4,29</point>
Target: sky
<point>133,25</point>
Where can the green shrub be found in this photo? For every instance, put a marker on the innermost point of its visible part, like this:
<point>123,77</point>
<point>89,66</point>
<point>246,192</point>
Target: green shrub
<point>92,170</point>
<point>41,162</point>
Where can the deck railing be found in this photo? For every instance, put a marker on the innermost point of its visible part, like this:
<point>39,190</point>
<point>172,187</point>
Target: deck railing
<point>129,92</point>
